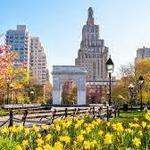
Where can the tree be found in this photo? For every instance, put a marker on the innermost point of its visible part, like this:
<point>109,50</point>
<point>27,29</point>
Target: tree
<point>130,74</point>
<point>142,67</point>
<point>13,78</point>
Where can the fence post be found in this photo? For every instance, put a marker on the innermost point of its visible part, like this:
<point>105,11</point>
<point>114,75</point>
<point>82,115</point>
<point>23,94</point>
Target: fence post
<point>10,118</point>
<point>118,111</point>
<point>66,113</point>
<point>99,111</point>
<point>93,112</point>
<point>107,114</point>
<point>75,110</point>
<point>25,116</point>
<point>115,112</point>
<point>53,115</point>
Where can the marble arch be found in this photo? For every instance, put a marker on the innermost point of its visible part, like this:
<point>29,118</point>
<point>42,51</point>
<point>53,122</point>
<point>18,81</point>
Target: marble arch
<point>63,73</point>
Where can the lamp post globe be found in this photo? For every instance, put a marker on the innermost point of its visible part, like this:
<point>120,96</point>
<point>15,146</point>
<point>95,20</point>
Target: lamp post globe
<point>131,86</point>
<point>141,80</point>
<point>109,69</point>
<point>32,95</point>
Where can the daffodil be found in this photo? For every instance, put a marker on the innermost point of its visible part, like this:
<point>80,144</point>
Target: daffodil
<point>25,144</point>
<point>117,127</point>
<point>26,131</point>
<point>100,132</point>
<point>39,141</point>
<point>45,127</point>
<point>4,130</point>
<point>80,138</point>
<point>86,144</point>
<point>65,139</point>
<point>136,141</point>
<point>147,116</point>
<point>47,147</point>
<point>129,130</point>
<point>39,148</point>
<point>36,128</point>
<point>58,146</point>
<point>108,138</point>
<point>144,124</point>
<point>57,128</point>
<point>93,144</point>
<point>48,137</point>
<point>18,147</point>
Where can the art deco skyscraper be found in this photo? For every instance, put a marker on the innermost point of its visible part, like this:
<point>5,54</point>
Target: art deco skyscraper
<point>93,52</point>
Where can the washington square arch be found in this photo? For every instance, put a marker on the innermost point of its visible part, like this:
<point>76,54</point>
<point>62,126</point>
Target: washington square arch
<point>61,74</point>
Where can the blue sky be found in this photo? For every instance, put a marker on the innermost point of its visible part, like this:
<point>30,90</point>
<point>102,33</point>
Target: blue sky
<point>124,25</point>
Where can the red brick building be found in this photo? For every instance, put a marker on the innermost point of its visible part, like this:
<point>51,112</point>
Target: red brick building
<point>96,92</point>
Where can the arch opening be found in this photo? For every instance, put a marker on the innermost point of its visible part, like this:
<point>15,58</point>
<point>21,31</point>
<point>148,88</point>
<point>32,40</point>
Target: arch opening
<point>69,92</point>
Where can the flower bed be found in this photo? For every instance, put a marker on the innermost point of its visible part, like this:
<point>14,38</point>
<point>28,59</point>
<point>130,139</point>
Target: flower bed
<point>78,133</point>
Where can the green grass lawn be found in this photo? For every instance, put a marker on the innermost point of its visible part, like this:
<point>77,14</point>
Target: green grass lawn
<point>128,116</point>
<point>3,112</point>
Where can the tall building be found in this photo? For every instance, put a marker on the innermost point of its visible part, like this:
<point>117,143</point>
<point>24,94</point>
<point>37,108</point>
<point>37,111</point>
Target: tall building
<point>142,53</point>
<point>93,52</point>
<point>38,64</point>
<point>30,53</point>
<point>19,40</point>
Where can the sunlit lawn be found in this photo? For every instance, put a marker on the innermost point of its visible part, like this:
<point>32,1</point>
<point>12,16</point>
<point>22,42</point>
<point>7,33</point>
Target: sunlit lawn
<point>128,116</point>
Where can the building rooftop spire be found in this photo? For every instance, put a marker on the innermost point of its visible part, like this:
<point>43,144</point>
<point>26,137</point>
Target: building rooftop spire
<point>90,20</point>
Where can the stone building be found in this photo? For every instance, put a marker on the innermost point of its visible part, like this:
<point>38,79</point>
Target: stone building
<point>92,53</point>
<point>38,63</point>
<point>142,53</point>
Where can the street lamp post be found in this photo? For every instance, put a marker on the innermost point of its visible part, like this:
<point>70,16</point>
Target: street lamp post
<point>9,86</point>
<point>31,95</point>
<point>141,82</point>
<point>8,90</point>
<point>110,69</point>
<point>44,94</point>
<point>131,87</point>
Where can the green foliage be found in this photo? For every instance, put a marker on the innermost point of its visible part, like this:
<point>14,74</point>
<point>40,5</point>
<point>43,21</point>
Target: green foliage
<point>7,144</point>
<point>3,112</point>
<point>82,133</point>
<point>130,75</point>
<point>126,117</point>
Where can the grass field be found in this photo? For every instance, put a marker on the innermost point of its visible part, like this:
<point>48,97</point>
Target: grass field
<point>128,116</point>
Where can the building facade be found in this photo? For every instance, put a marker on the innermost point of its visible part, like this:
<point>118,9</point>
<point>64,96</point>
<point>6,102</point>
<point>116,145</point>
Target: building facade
<point>38,63</point>
<point>19,40</point>
<point>92,53</point>
<point>142,53</point>
<point>96,92</point>
<point>30,53</point>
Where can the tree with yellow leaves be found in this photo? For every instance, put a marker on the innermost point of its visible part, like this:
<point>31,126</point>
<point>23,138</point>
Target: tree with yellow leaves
<point>130,75</point>
<point>13,78</point>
